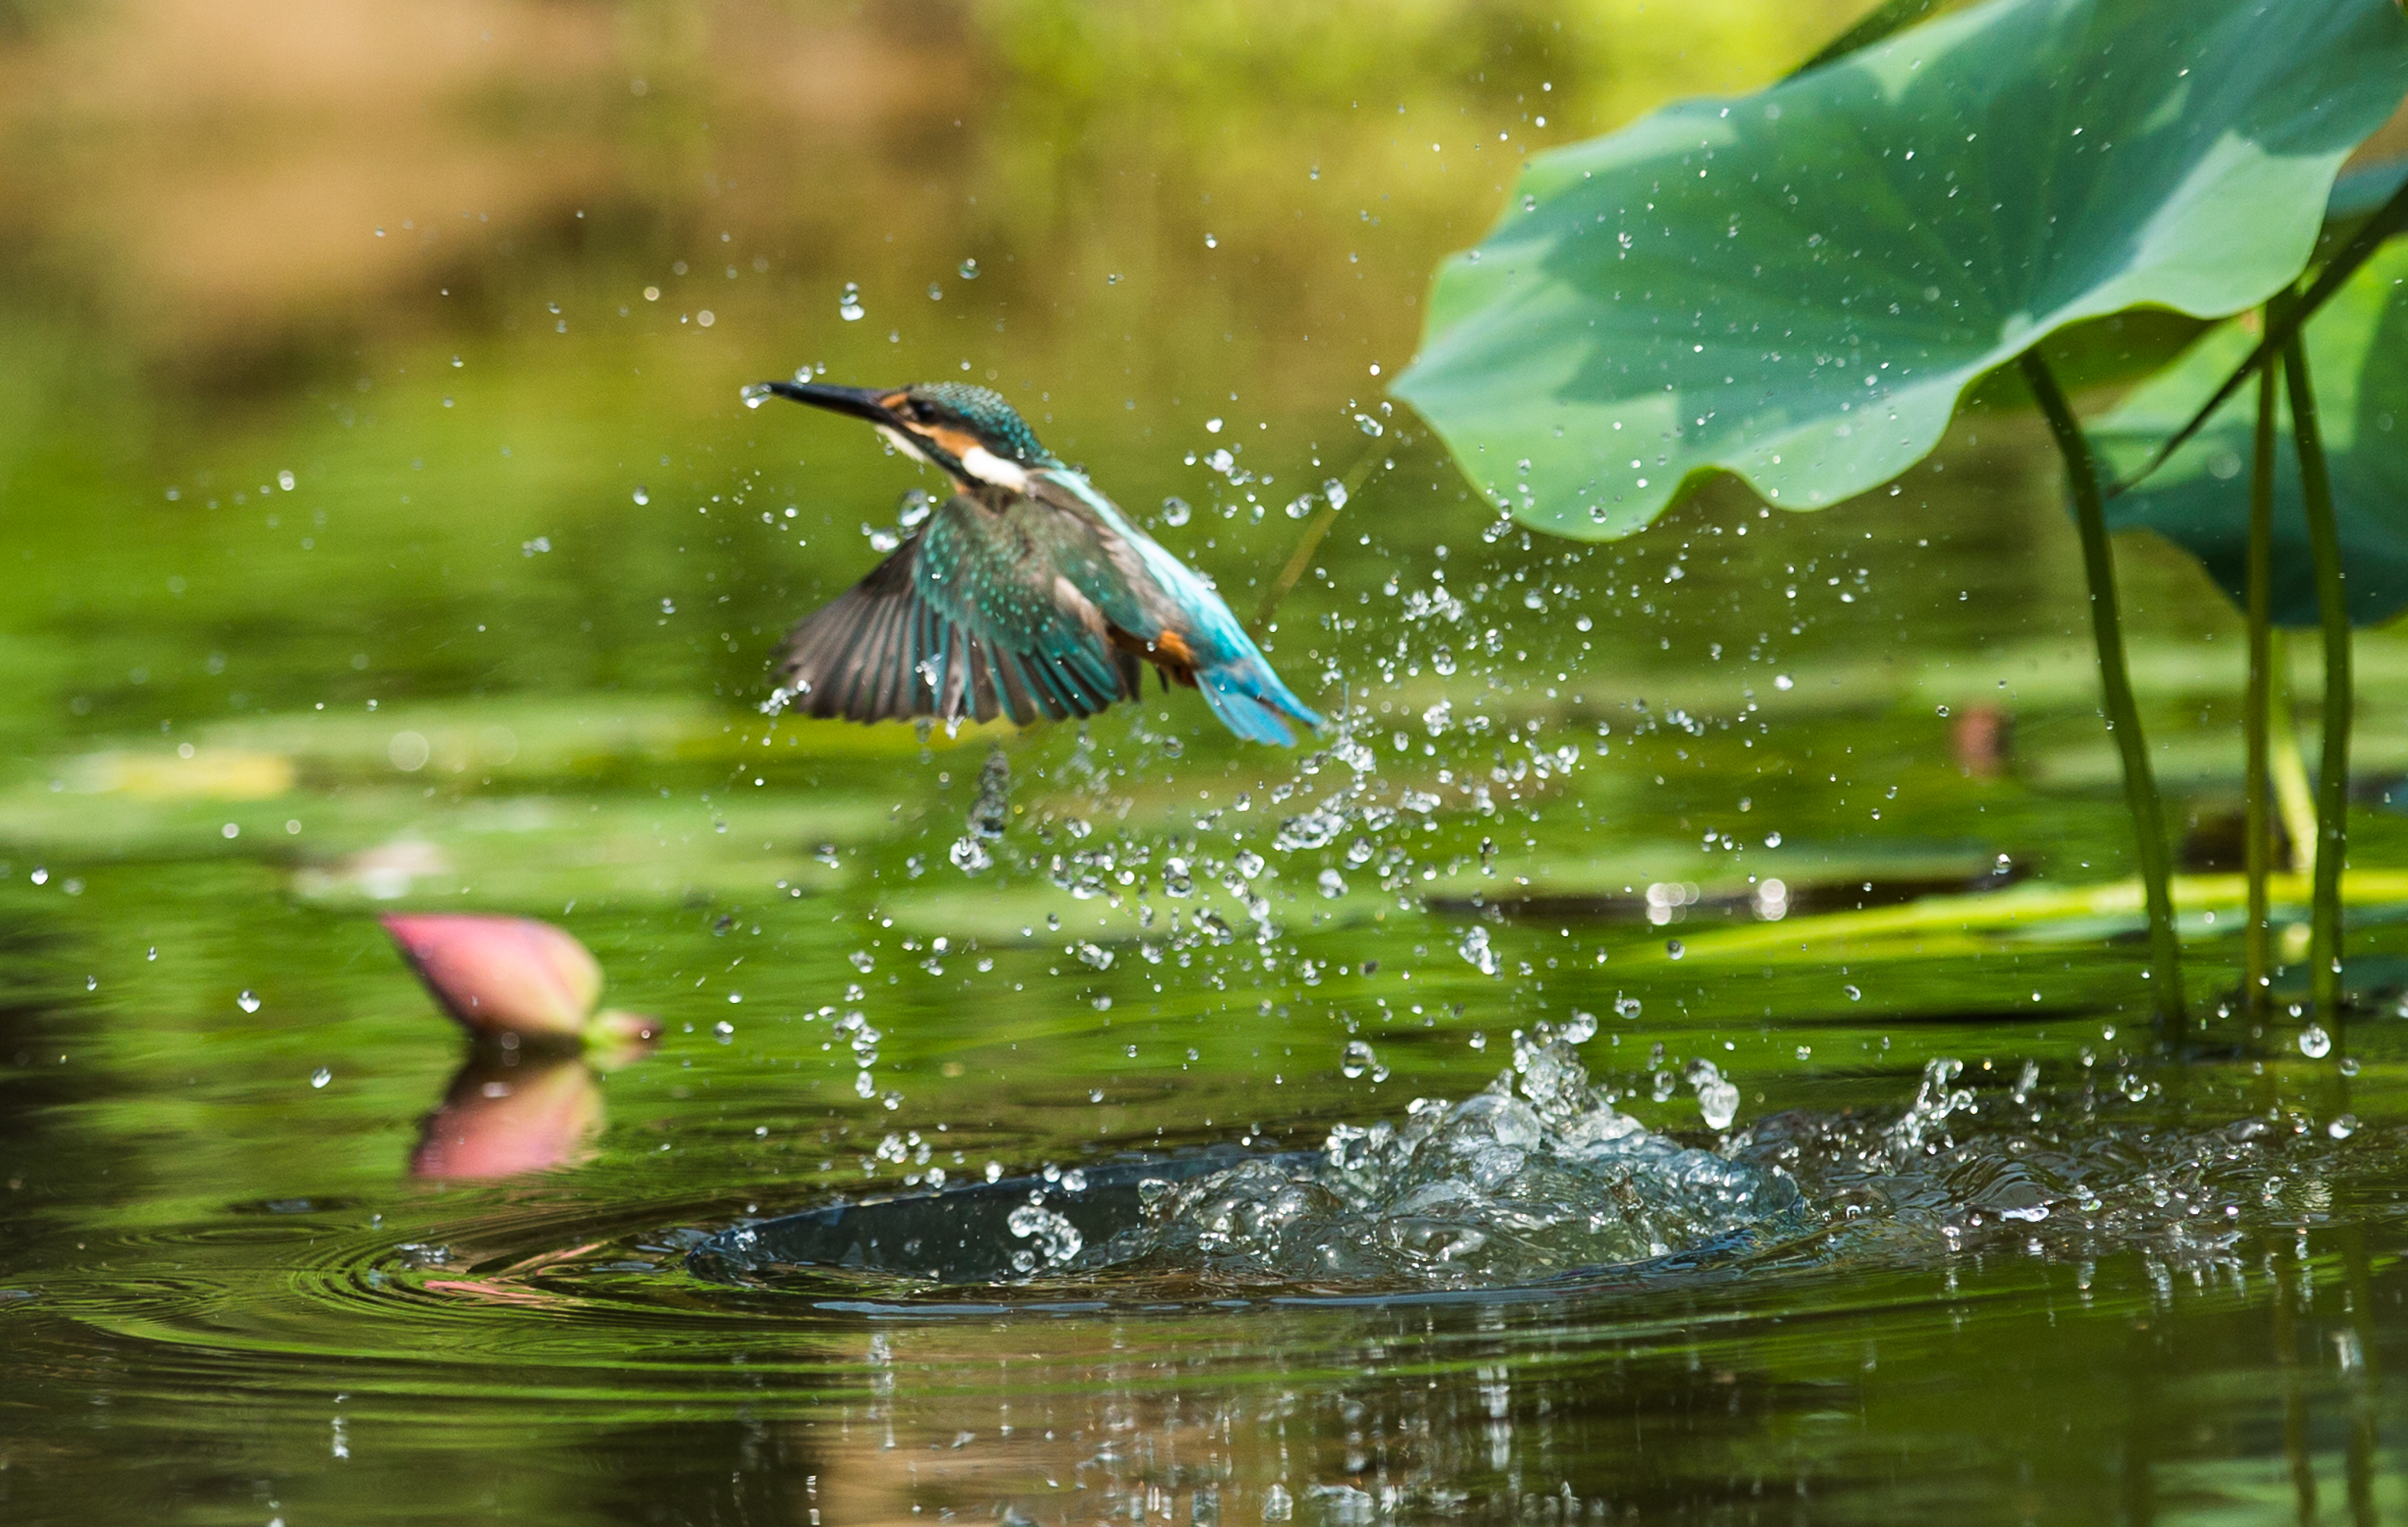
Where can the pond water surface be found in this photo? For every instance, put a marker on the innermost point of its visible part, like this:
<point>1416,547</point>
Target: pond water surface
<point>1553,1093</point>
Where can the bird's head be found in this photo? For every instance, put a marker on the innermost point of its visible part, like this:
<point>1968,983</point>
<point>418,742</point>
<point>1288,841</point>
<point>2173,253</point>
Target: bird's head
<point>968,432</point>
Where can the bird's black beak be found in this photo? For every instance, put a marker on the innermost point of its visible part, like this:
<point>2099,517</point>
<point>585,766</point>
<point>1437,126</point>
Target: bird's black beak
<point>855,402</point>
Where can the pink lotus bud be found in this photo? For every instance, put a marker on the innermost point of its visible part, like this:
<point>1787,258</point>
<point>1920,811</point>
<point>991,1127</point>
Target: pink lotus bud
<point>499,1120</point>
<point>501,975</point>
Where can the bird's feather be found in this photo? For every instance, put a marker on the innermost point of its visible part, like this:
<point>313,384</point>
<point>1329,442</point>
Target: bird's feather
<point>1167,607</point>
<point>967,617</point>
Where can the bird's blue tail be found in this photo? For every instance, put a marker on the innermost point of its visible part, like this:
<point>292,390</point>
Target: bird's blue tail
<point>1249,699</point>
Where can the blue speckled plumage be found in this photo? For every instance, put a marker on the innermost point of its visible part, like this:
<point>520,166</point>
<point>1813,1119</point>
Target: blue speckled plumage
<point>1027,596</point>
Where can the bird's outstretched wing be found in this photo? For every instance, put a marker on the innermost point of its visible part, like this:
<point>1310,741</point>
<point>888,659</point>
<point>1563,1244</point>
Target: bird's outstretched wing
<point>966,619</point>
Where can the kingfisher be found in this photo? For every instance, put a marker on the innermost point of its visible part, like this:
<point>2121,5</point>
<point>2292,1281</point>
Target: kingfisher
<point>1026,594</point>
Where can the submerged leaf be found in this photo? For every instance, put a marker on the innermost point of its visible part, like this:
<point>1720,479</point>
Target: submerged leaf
<point>2357,352</point>
<point>1796,287</point>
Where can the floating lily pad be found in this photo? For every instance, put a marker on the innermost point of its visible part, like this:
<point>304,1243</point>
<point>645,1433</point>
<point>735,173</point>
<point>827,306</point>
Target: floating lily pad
<point>1797,287</point>
<point>2357,353</point>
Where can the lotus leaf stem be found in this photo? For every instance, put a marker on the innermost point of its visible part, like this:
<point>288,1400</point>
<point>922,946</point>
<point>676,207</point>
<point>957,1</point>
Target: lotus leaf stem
<point>2332,772</point>
<point>2257,708</point>
<point>2115,681</point>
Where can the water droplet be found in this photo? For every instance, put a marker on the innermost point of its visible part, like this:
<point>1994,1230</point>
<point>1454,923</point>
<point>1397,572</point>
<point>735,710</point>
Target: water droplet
<point>1854,995</point>
<point>1058,1239</point>
<point>2343,1127</point>
<point>2315,1043</point>
<point>1673,947</point>
<point>847,306</point>
<point>643,495</point>
<point>936,292</point>
<point>1332,883</point>
<point>1359,1059</point>
<point>320,1076</point>
<point>248,1002</point>
<point>1175,511</point>
<point>1476,952</point>
<point>1717,1098</point>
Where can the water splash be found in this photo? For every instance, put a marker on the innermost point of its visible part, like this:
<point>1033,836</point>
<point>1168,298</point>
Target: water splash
<point>1535,1176</point>
<point>990,813</point>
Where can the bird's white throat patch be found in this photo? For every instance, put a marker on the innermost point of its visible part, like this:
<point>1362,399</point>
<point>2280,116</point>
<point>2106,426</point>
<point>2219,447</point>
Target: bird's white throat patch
<point>987,466</point>
<point>977,461</point>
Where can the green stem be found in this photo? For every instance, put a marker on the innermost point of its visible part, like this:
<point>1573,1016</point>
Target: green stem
<point>2257,710</point>
<point>2295,1398</point>
<point>2284,321</point>
<point>2115,681</point>
<point>2294,801</point>
<point>2332,771</point>
<point>1301,558</point>
<point>1880,22</point>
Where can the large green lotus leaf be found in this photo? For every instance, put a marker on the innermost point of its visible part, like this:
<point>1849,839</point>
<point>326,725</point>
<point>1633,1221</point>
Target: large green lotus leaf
<point>1796,286</point>
<point>2358,354</point>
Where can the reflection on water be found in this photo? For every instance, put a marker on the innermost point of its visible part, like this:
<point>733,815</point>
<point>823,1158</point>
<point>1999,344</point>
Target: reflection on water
<point>439,570</point>
<point>2105,1268</point>
<point>503,1116</point>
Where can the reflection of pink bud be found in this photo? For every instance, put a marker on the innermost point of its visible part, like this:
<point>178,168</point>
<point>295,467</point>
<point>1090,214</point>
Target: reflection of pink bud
<point>499,1120</point>
<point>501,975</point>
